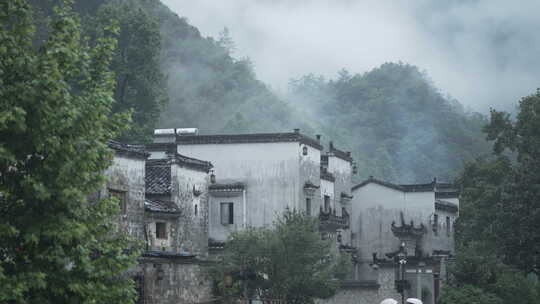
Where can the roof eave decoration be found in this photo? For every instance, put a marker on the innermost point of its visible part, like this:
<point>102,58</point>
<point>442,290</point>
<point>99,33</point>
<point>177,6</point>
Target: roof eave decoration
<point>447,194</point>
<point>433,186</point>
<point>408,230</point>
<point>446,206</point>
<point>327,176</point>
<point>193,163</point>
<point>168,254</point>
<point>346,196</point>
<point>164,207</point>
<point>248,138</point>
<point>226,189</point>
<point>136,151</point>
<point>340,154</point>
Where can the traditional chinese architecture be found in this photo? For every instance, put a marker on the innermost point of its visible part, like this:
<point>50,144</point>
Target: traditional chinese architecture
<point>164,204</point>
<point>183,195</point>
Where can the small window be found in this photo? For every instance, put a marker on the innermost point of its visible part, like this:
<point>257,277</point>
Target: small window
<point>308,206</point>
<point>227,213</point>
<point>326,203</point>
<point>448,226</point>
<point>196,210</point>
<point>121,196</point>
<point>436,224</point>
<point>161,230</point>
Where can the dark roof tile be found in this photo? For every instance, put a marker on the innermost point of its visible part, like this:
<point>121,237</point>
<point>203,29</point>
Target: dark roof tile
<point>158,179</point>
<point>248,138</point>
<point>137,151</point>
<point>161,206</point>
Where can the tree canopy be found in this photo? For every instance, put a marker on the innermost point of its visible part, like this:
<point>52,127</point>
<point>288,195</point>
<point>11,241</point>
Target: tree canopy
<point>55,120</point>
<point>497,232</point>
<point>288,262</point>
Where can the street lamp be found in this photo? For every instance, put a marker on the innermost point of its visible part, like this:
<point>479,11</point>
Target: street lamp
<point>401,282</point>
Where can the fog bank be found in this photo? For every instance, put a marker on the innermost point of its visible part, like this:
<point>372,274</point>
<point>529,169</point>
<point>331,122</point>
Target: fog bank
<point>485,53</point>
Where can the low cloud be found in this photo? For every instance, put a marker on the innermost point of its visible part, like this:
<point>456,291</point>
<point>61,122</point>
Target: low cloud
<point>485,53</point>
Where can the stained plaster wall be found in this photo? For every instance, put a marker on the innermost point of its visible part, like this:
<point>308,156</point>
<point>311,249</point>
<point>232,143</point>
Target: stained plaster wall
<point>376,206</point>
<point>310,170</point>
<point>270,172</point>
<point>181,282</point>
<point>327,189</point>
<point>217,230</point>
<point>126,174</point>
<point>342,171</point>
<point>192,233</point>
<point>170,243</point>
<point>442,240</point>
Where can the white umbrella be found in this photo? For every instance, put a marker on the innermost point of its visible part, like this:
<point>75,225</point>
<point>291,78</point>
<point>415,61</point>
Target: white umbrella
<point>389,301</point>
<point>413,301</point>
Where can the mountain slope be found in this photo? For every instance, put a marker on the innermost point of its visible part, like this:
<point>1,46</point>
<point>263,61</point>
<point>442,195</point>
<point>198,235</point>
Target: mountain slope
<point>396,123</point>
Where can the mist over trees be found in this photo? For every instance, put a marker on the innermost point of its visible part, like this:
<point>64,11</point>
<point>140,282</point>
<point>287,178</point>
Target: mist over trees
<point>396,123</point>
<point>497,231</point>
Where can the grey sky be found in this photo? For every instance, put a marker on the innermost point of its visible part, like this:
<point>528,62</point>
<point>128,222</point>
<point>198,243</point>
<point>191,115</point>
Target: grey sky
<point>485,53</point>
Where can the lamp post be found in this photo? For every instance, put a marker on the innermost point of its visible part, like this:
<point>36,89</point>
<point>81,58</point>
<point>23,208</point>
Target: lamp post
<point>401,260</point>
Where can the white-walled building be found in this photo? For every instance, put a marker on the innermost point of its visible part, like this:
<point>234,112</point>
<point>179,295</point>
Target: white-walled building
<point>420,216</point>
<point>258,176</point>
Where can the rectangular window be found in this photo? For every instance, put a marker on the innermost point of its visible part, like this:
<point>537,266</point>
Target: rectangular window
<point>161,230</point>
<point>448,226</point>
<point>121,196</point>
<point>436,224</point>
<point>227,213</point>
<point>308,206</point>
<point>326,203</point>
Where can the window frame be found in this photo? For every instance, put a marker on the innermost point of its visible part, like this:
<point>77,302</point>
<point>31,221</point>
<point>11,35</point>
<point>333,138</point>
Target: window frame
<point>228,218</point>
<point>121,195</point>
<point>161,234</point>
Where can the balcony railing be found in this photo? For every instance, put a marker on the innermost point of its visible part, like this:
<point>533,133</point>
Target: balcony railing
<point>330,221</point>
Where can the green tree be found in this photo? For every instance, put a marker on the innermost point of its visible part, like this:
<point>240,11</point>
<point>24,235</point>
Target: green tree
<point>497,232</point>
<point>140,84</point>
<point>501,195</point>
<point>55,121</point>
<point>288,262</point>
<point>469,295</point>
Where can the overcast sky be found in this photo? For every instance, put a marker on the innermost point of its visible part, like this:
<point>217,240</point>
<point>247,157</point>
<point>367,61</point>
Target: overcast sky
<point>485,53</point>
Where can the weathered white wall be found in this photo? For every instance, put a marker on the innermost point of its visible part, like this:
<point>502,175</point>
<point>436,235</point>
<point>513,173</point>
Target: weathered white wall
<point>376,206</point>
<point>327,189</point>
<point>127,174</point>
<point>270,172</point>
<point>220,232</point>
<point>310,170</point>
<point>192,228</point>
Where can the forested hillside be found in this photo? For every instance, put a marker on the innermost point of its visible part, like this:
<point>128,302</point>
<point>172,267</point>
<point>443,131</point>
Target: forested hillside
<point>395,122</point>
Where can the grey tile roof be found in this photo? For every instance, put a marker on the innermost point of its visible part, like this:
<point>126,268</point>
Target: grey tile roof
<point>158,178</point>
<point>442,190</point>
<point>161,206</point>
<point>248,138</point>
<point>128,150</point>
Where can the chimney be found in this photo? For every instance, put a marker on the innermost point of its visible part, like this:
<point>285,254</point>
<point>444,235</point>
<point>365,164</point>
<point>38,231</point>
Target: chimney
<point>348,153</point>
<point>331,145</point>
<point>318,137</point>
<point>297,131</point>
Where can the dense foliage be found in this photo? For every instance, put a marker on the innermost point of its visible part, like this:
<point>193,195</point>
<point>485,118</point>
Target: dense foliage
<point>397,124</point>
<point>140,84</point>
<point>55,121</point>
<point>287,262</point>
<point>498,234</point>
